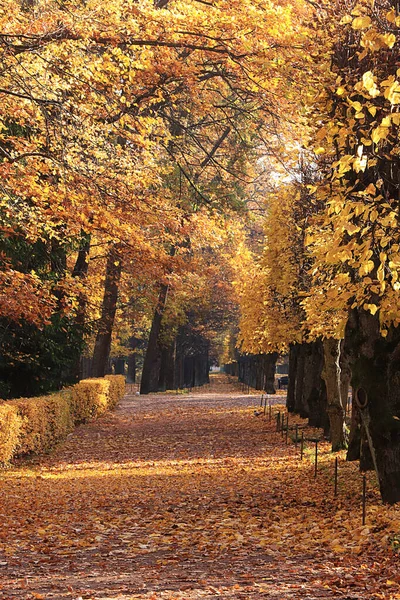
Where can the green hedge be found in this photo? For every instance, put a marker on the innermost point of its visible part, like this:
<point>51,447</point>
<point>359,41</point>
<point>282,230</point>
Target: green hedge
<point>35,425</point>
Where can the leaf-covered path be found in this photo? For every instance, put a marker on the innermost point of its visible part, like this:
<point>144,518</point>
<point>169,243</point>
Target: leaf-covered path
<point>186,497</point>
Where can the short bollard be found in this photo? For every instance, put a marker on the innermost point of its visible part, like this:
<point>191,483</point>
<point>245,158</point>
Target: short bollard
<point>278,421</point>
<point>270,412</point>
<point>296,439</point>
<point>287,432</point>
<point>302,445</point>
<point>316,459</point>
<point>336,477</point>
<point>364,499</point>
<point>262,398</point>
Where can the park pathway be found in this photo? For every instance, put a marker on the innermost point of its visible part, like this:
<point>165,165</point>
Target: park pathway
<point>179,497</point>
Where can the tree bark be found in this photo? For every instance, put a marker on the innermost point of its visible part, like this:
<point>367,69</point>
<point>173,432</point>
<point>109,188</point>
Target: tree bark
<point>299,407</point>
<point>102,345</point>
<point>131,368</point>
<point>314,388</point>
<point>354,447</point>
<point>152,359</point>
<point>80,271</point>
<point>166,379</point>
<point>293,354</point>
<point>376,377</point>
<point>269,371</point>
<point>335,407</point>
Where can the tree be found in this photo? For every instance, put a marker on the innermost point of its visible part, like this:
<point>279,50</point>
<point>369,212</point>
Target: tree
<point>355,241</point>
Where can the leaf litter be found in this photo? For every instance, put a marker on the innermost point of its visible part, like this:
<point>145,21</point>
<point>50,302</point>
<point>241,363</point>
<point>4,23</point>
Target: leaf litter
<point>185,496</point>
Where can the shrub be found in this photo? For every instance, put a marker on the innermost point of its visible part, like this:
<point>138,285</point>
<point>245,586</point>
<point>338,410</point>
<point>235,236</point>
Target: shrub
<point>10,427</point>
<point>46,420</point>
<point>89,399</point>
<point>117,388</point>
<point>35,425</point>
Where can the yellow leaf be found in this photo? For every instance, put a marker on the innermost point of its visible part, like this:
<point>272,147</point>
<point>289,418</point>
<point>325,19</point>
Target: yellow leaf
<point>368,80</point>
<point>361,22</point>
<point>393,93</point>
<point>373,215</point>
<point>371,189</point>
<point>391,16</point>
<point>389,39</point>
<point>366,267</point>
<point>372,308</point>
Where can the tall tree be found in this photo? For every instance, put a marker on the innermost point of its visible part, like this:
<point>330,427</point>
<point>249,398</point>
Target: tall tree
<point>355,240</point>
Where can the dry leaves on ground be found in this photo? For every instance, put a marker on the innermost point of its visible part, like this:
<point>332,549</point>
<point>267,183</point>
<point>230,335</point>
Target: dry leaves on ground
<point>192,496</point>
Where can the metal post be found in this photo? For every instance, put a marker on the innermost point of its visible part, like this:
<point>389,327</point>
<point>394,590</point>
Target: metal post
<point>297,437</point>
<point>364,499</point>
<point>278,421</point>
<point>262,398</point>
<point>270,411</point>
<point>316,458</point>
<point>302,445</point>
<point>336,476</point>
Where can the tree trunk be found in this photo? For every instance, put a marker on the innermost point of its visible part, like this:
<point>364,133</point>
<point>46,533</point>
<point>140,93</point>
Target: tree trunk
<point>353,451</point>
<point>166,379</point>
<point>131,377</point>
<point>314,388</point>
<point>152,359</point>
<point>376,377</point>
<point>179,363</point>
<point>299,407</point>
<point>80,271</point>
<point>103,339</point>
<point>188,372</point>
<point>332,377</point>
<point>293,354</point>
<point>269,370</point>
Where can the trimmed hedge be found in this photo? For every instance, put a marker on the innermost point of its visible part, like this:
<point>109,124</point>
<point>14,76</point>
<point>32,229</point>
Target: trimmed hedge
<point>36,425</point>
<point>10,428</point>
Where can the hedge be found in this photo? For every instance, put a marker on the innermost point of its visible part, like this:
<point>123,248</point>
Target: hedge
<point>36,425</point>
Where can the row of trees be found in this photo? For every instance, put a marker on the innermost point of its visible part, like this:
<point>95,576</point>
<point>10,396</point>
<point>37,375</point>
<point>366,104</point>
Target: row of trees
<point>326,286</point>
<point>129,139</point>
<point>133,139</point>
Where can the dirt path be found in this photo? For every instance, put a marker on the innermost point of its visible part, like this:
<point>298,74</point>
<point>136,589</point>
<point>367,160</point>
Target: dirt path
<point>180,497</point>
